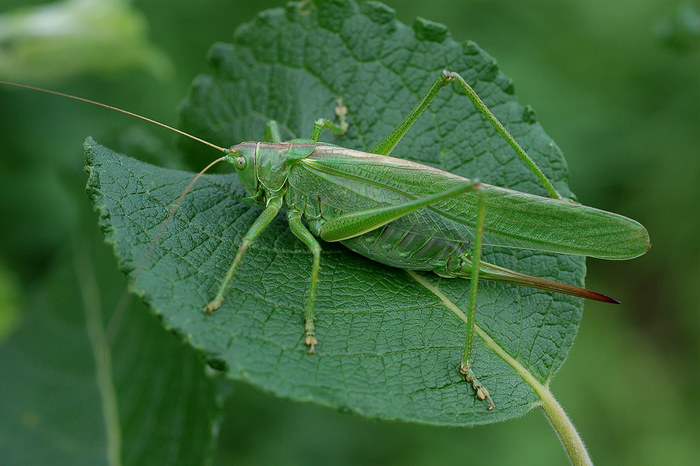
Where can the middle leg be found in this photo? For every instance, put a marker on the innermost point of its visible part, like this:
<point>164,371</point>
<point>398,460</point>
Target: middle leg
<point>301,232</point>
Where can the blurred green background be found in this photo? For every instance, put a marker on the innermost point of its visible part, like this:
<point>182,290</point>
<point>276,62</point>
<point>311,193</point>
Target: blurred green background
<point>616,84</point>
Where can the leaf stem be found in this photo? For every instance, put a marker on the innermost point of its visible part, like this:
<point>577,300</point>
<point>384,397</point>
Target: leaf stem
<point>562,425</point>
<point>560,422</point>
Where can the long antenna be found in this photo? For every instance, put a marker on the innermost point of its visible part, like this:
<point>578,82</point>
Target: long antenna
<point>166,222</point>
<point>99,104</point>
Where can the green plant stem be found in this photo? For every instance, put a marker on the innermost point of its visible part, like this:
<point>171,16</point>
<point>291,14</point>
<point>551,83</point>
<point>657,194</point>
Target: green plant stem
<point>560,422</point>
<point>89,290</point>
<point>569,437</point>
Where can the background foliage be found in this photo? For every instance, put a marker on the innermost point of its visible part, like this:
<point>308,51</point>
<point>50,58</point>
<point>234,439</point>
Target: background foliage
<point>619,97</point>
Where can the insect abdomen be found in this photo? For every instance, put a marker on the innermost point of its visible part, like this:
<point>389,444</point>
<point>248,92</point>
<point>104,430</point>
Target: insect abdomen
<point>409,243</point>
<point>405,248</point>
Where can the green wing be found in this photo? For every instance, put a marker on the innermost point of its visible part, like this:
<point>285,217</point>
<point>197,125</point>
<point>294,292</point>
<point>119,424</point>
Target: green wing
<point>349,180</point>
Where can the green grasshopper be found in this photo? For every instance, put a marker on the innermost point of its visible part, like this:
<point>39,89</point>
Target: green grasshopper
<point>412,216</point>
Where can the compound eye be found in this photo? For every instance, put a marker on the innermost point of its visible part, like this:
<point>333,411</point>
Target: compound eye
<point>240,162</point>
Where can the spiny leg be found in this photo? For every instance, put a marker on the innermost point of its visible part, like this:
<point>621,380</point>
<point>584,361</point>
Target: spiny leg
<point>270,212</point>
<point>387,144</point>
<point>465,367</point>
<point>353,224</point>
<point>308,239</point>
<point>357,223</point>
<point>323,123</point>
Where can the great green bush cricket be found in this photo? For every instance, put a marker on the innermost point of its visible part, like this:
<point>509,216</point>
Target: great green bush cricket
<point>408,215</point>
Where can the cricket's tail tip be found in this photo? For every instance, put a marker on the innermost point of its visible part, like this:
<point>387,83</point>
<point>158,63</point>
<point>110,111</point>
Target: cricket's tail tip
<point>491,272</point>
<point>564,288</point>
<point>599,297</point>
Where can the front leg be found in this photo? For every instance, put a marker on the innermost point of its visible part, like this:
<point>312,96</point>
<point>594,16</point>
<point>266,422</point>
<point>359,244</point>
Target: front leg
<point>268,215</point>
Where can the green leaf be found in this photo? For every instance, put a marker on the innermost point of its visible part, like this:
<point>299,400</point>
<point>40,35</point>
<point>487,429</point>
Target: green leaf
<point>390,341</point>
<point>90,377</point>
